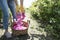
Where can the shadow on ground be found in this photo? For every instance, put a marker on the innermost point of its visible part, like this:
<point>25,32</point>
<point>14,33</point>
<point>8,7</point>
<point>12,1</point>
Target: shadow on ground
<point>40,37</point>
<point>21,37</point>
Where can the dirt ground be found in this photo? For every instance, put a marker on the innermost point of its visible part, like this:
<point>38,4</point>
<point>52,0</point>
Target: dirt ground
<point>33,33</point>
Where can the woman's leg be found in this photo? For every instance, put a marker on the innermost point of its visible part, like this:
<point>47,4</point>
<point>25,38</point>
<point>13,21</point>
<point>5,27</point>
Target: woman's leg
<point>21,6</point>
<point>4,6</point>
<point>12,7</point>
<point>21,2</point>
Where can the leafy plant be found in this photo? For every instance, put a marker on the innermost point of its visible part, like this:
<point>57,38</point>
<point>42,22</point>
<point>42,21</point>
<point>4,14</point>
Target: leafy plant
<point>49,12</point>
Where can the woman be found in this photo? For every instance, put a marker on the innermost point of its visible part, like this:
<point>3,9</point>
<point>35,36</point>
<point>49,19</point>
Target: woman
<point>21,5</point>
<point>5,4</point>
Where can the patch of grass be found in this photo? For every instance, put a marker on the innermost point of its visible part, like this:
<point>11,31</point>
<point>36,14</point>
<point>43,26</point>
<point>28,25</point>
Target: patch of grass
<point>32,27</point>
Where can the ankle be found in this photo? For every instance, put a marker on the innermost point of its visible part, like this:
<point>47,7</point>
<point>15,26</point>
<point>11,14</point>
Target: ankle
<point>6,30</point>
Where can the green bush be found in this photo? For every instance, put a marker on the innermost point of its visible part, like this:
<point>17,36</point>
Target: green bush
<point>49,12</point>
